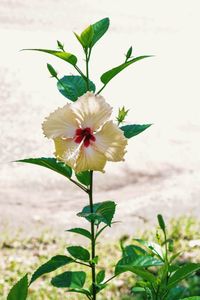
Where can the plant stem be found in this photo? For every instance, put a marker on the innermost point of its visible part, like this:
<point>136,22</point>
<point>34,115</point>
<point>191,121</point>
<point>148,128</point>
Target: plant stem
<point>59,81</point>
<point>110,279</point>
<point>80,72</point>
<point>87,68</point>
<point>90,193</point>
<point>93,238</point>
<point>166,250</point>
<point>79,185</point>
<point>81,263</point>
<point>166,257</point>
<point>101,89</point>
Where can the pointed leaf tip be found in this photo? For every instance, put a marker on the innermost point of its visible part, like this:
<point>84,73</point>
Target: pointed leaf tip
<point>66,56</point>
<point>100,29</point>
<point>53,264</point>
<point>107,76</point>
<point>50,163</point>
<point>19,290</point>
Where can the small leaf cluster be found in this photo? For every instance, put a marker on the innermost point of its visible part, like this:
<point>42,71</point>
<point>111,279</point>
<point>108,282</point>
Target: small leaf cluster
<point>74,86</point>
<point>122,113</point>
<point>156,264</point>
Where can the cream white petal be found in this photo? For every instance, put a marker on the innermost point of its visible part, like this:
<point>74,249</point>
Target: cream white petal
<point>91,110</point>
<point>110,140</point>
<point>90,159</point>
<point>61,123</point>
<point>67,151</point>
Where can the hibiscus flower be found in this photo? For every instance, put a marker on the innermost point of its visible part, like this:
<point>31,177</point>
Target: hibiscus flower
<point>84,137</point>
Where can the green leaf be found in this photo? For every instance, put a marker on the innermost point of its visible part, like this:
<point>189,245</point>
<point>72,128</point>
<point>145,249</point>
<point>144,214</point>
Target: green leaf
<point>83,177</point>
<point>154,248</point>
<point>52,71</point>
<point>79,252</point>
<point>176,293</point>
<point>137,264</point>
<point>139,261</point>
<point>145,274</point>
<point>132,130</point>
<point>99,29</point>
<point>53,264</point>
<point>85,39</point>
<point>69,280</point>
<point>50,163</point>
<point>81,231</point>
<point>87,36</point>
<point>20,290</point>
<point>102,212</point>
<point>100,276</point>
<point>73,87</point>
<point>134,250</point>
<point>107,76</point>
<point>182,273</point>
<point>68,57</point>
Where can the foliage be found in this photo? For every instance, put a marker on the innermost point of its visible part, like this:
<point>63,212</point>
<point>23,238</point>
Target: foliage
<point>160,277</point>
<point>162,282</point>
<point>16,248</point>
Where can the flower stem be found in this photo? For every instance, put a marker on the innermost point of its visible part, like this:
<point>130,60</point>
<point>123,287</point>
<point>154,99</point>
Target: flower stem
<point>93,238</point>
<point>87,55</point>
<point>101,89</point>
<point>90,193</point>
<point>80,72</point>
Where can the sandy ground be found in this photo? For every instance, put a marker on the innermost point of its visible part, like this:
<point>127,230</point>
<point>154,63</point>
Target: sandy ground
<point>162,169</point>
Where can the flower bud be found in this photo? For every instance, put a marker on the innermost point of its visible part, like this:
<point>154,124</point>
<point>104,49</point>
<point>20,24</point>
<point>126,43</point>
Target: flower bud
<point>60,46</point>
<point>52,71</point>
<point>129,53</point>
<point>122,113</point>
<point>161,222</point>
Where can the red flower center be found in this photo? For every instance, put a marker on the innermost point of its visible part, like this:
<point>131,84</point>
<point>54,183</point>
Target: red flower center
<point>85,135</point>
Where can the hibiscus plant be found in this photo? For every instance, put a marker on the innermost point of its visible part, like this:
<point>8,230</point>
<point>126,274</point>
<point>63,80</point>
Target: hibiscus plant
<point>85,138</point>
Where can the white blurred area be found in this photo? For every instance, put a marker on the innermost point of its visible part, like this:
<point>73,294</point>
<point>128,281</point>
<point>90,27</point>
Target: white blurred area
<point>162,169</point>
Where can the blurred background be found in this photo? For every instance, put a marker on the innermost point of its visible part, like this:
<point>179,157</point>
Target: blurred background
<point>162,169</point>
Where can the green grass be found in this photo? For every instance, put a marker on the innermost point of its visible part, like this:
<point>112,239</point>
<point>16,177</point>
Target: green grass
<point>20,255</point>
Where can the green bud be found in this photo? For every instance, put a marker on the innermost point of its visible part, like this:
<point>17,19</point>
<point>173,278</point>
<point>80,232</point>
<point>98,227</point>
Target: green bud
<point>158,236</point>
<point>123,239</point>
<point>129,53</point>
<point>95,260</point>
<point>60,45</point>
<point>52,71</point>
<point>122,113</point>
<point>171,245</point>
<point>161,222</point>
